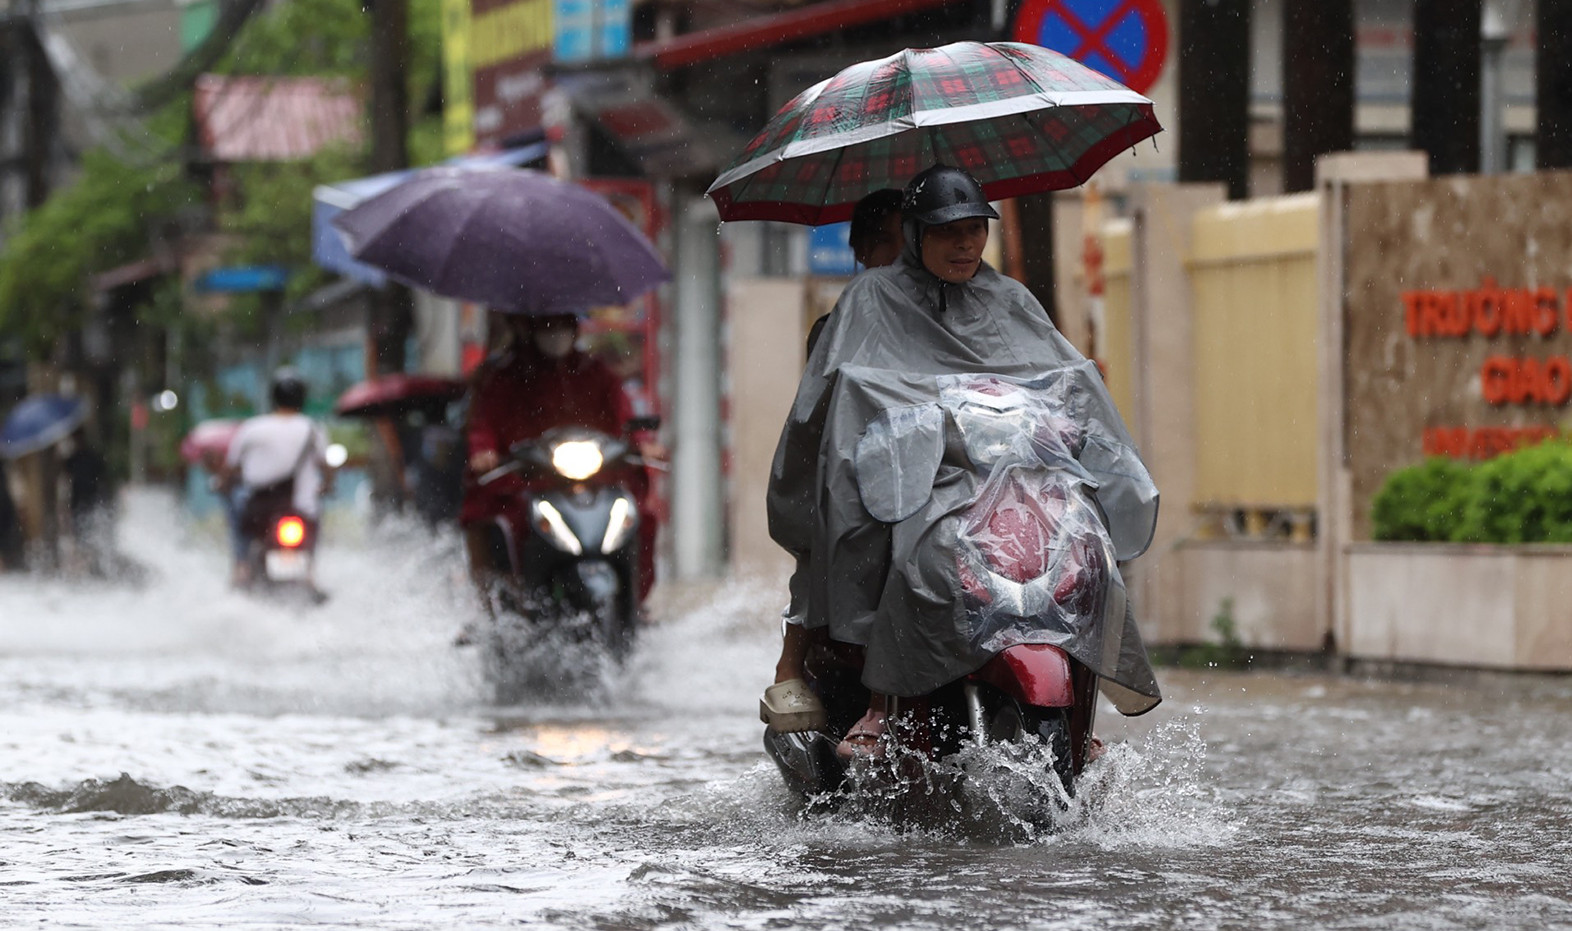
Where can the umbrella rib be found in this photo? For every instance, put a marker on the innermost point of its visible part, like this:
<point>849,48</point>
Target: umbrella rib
<point>458,236</point>
<point>1031,78</point>
<point>937,153</point>
<point>834,174</point>
<point>862,108</point>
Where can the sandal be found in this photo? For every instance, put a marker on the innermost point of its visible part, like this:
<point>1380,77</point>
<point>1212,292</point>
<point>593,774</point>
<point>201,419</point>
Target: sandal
<point>790,706</point>
<point>865,739</point>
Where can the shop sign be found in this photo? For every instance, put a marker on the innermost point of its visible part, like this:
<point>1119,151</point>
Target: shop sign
<point>830,252</point>
<point>458,79</point>
<point>509,46</point>
<point>588,30</point>
<point>1508,378</point>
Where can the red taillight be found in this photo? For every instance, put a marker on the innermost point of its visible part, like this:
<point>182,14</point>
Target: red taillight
<point>1018,533</point>
<point>291,532</point>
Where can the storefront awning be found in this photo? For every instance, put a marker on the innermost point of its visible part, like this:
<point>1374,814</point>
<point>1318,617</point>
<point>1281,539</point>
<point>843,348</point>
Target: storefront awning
<point>778,29</point>
<point>329,200</point>
<point>265,119</point>
<point>652,132</point>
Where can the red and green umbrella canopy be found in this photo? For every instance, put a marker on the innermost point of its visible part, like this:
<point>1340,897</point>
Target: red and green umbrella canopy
<point>1020,118</point>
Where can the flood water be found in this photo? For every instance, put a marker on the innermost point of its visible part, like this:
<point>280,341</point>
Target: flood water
<point>178,756</point>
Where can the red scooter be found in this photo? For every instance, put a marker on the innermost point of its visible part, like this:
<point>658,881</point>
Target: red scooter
<point>563,549</point>
<point>1034,561</point>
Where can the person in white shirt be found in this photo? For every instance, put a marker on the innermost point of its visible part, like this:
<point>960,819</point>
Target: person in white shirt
<point>274,454</point>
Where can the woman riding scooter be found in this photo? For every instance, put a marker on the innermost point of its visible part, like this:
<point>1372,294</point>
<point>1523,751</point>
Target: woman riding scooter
<point>542,382</point>
<point>938,311</point>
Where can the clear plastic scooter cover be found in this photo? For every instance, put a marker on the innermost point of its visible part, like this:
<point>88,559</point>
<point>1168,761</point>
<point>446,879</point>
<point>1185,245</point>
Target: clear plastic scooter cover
<point>1032,553</point>
<point>1016,499</point>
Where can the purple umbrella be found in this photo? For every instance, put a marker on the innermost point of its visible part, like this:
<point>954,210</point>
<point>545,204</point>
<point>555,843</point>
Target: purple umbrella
<point>516,240</point>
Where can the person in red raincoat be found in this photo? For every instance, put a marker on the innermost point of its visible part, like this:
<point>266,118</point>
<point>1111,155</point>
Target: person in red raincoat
<point>543,382</point>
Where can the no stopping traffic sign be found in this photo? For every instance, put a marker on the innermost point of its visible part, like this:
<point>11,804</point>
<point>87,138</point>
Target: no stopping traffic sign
<point>1124,39</point>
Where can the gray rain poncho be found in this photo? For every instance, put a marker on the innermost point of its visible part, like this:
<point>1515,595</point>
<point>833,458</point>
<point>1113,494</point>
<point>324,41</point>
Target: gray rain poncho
<point>937,428</point>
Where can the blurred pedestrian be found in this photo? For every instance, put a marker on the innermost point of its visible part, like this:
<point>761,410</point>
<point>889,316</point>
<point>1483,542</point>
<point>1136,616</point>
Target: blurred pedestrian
<point>11,543</point>
<point>90,500</point>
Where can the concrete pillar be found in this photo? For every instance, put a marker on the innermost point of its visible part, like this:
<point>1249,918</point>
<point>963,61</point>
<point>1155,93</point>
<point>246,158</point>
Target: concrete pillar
<point>1318,86</point>
<point>697,482</point>
<point>764,359</point>
<point>1445,101</point>
<point>1214,93</point>
<point>1164,414</point>
<point>1334,510</point>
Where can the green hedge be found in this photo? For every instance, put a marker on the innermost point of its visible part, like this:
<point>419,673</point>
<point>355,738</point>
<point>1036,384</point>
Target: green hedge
<point>1521,497</point>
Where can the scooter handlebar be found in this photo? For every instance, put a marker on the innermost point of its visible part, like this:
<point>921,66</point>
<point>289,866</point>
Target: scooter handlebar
<point>507,468</point>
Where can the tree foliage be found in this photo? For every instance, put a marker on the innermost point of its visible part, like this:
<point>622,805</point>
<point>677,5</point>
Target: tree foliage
<point>270,222</point>
<point>115,211</point>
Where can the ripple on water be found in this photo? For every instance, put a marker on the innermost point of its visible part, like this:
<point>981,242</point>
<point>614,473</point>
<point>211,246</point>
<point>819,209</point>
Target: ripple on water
<point>344,767</point>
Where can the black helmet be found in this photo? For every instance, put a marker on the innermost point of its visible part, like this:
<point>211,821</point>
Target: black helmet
<point>288,389</point>
<point>942,195</point>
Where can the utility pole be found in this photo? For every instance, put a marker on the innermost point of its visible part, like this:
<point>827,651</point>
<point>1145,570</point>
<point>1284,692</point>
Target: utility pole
<point>1318,86</point>
<point>392,312</point>
<point>1493,39</point>
<point>39,124</point>
<point>392,309</point>
<point>1553,86</point>
<point>1214,93</point>
<point>1445,101</point>
<point>10,90</point>
<point>40,113</point>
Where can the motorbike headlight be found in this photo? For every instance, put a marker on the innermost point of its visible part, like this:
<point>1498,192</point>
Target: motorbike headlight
<point>551,525</point>
<point>621,523</point>
<point>577,459</point>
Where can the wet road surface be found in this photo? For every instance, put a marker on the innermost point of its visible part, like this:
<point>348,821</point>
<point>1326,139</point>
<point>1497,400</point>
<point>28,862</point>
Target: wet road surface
<point>179,756</point>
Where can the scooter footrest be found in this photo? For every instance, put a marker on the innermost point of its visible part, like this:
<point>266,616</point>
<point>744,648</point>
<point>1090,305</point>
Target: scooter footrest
<point>806,759</point>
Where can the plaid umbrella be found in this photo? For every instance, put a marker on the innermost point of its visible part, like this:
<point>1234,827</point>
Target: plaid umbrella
<point>1020,118</point>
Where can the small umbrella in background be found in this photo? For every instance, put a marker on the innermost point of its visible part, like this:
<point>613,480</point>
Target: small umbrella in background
<point>398,394</point>
<point>209,441</point>
<point>1021,119</point>
<point>39,422</point>
<point>515,240</point>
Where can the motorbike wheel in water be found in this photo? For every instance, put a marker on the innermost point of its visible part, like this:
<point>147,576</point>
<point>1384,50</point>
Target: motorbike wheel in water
<point>1012,723</point>
<point>550,644</point>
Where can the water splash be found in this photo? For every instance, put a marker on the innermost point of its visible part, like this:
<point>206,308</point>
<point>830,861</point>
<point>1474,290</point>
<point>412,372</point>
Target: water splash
<point>1151,792</point>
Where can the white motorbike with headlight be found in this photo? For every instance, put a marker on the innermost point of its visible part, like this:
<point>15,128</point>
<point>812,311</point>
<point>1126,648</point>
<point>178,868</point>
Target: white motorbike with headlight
<point>565,554</point>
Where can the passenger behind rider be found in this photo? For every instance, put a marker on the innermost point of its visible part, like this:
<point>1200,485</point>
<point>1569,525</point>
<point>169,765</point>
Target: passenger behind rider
<point>875,240</point>
<point>267,451</point>
<point>542,381</point>
<point>945,225</point>
<point>788,705</point>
